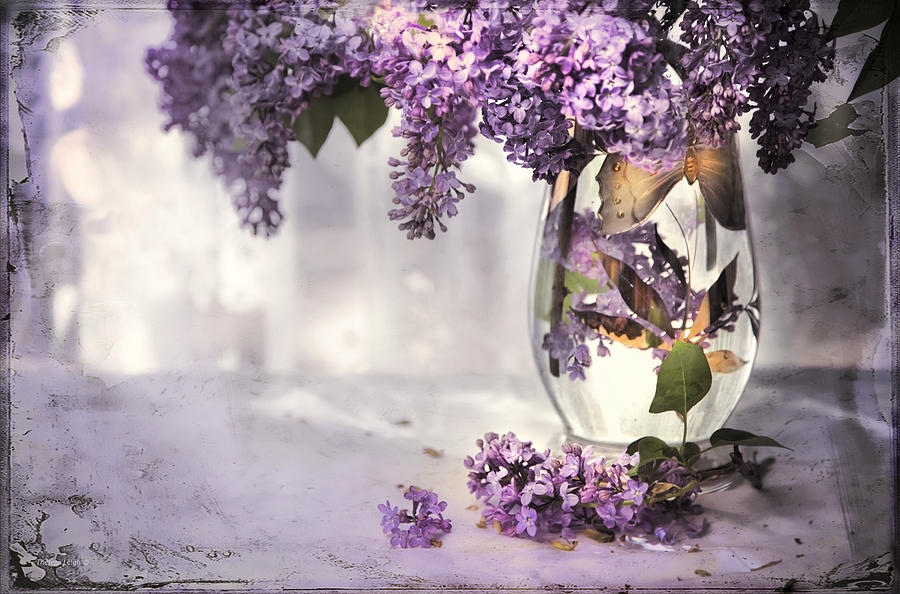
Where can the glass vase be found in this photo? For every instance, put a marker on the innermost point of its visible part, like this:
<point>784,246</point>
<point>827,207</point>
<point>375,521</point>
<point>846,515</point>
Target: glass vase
<point>626,263</point>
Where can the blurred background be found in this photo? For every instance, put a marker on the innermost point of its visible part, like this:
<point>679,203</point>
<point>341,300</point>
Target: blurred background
<point>135,262</point>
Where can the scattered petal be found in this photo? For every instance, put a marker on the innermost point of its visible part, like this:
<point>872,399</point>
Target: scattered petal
<point>599,536</point>
<point>564,544</point>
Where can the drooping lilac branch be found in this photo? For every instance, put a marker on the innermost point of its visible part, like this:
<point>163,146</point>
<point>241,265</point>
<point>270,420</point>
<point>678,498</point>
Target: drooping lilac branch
<point>238,77</point>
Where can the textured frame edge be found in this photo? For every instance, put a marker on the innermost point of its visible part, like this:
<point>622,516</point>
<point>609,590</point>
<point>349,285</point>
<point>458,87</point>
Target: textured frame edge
<point>5,302</point>
<point>891,139</point>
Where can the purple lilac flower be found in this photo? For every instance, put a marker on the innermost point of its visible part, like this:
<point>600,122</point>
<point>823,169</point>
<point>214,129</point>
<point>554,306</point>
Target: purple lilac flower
<point>566,342</point>
<point>610,78</point>
<point>282,56</point>
<point>416,495</point>
<point>797,56</point>
<point>258,97</point>
<point>635,490</point>
<point>527,119</point>
<point>721,65</point>
<point>668,520</point>
<point>427,73</point>
<point>615,517</point>
<point>581,358</point>
<point>574,460</point>
<point>426,520</point>
<point>526,520</point>
<point>400,538</point>
<point>569,496</point>
<point>530,124</point>
<point>762,56</point>
<point>541,494</point>
<point>559,342</point>
<point>514,110</point>
<point>391,518</point>
<point>235,78</point>
<point>626,459</point>
<point>197,78</point>
<point>502,461</point>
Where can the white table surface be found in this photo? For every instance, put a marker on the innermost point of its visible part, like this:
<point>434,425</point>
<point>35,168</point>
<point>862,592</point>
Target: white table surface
<point>213,480</point>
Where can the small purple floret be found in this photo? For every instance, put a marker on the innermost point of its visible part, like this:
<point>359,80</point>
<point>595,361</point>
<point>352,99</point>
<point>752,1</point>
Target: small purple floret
<point>427,523</point>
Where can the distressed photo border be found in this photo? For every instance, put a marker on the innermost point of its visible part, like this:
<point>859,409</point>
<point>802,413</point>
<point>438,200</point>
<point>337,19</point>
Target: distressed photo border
<point>891,136</point>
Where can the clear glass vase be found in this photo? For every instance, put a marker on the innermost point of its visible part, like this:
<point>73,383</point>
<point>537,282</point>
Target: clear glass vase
<point>626,263</point>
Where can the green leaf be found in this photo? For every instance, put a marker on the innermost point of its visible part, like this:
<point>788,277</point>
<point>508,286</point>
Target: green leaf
<point>314,123</point>
<point>640,297</point>
<point>566,307</point>
<point>659,318</point>
<point>834,127</point>
<point>543,282</point>
<point>883,64</point>
<point>651,448</point>
<point>684,379</point>
<point>645,444</point>
<point>726,437</point>
<point>578,283</point>
<point>854,16</point>
<point>690,454</point>
<point>670,258</point>
<point>362,110</point>
<point>673,53</point>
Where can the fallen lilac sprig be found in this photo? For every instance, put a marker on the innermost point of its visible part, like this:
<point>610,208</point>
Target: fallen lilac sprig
<point>427,523</point>
<point>649,490</point>
<point>532,494</point>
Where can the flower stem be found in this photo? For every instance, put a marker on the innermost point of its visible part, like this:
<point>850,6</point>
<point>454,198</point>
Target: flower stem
<point>687,288</point>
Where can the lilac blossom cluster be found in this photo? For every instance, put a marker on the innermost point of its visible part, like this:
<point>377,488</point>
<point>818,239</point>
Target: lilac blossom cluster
<point>427,74</point>
<point>426,521</point>
<point>533,494</point>
<point>567,342</point>
<point>608,76</point>
<point>237,76</point>
<point>282,56</point>
<point>760,56</point>
<point>720,66</point>
<point>796,56</point>
<point>195,73</point>
<point>517,111</point>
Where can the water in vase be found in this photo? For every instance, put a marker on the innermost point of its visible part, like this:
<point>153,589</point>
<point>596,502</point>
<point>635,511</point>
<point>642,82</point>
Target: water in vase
<point>627,263</point>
